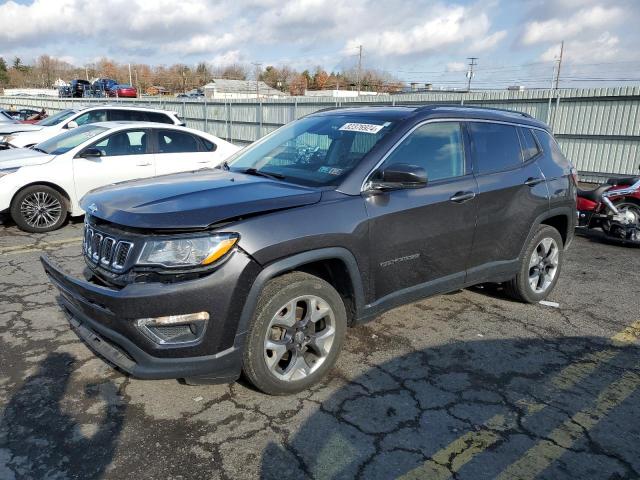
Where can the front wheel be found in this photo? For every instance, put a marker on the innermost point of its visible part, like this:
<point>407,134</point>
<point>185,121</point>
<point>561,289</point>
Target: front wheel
<point>296,334</point>
<point>539,267</point>
<point>39,209</point>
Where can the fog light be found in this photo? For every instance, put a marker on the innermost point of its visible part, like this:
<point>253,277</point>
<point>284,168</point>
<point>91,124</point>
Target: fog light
<point>174,329</point>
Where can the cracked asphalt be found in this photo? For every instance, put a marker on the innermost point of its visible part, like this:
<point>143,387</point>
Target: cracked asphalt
<point>468,385</point>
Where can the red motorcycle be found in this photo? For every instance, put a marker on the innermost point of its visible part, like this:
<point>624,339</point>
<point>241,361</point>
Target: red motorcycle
<point>614,207</point>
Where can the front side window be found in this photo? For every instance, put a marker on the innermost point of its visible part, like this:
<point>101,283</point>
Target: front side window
<point>93,116</point>
<point>173,141</point>
<point>71,139</point>
<point>129,142</point>
<point>436,147</point>
<point>314,151</point>
<point>56,119</point>
<point>496,146</point>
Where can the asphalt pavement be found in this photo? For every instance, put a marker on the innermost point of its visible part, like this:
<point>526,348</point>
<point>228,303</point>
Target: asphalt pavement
<point>469,385</point>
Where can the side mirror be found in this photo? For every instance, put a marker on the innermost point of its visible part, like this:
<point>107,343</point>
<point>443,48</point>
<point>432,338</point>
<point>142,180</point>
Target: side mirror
<point>399,176</point>
<point>72,124</point>
<point>90,153</point>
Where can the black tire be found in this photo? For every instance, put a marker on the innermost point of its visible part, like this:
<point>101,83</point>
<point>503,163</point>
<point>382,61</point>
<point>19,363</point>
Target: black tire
<point>275,295</point>
<point>519,287</point>
<point>55,216</point>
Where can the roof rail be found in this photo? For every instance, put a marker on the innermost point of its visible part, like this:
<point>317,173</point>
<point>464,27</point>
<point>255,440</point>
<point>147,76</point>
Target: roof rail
<point>475,107</point>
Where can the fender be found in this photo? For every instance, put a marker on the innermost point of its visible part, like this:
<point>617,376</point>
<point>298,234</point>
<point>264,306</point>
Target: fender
<point>290,263</point>
<point>554,212</point>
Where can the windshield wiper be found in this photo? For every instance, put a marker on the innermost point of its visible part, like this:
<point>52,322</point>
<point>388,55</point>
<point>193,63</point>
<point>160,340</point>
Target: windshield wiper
<point>224,166</point>
<point>39,150</point>
<point>260,173</point>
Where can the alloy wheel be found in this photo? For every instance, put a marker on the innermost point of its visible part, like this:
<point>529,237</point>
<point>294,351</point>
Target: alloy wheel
<point>299,338</point>
<point>40,210</point>
<point>543,265</point>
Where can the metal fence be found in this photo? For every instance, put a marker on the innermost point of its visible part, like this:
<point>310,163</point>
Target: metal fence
<point>597,128</point>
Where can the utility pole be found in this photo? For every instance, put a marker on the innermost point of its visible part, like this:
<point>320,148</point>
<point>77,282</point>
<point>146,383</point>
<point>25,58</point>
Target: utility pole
<point>359,69</point>
<point>258,68</point>
<point>130,80</point>
<point>472,63</point>
<point>559,64</point>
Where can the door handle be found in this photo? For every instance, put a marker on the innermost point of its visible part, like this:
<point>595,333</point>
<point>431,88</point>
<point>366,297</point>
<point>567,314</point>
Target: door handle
<point>533,181</point>
<point>462,197</point>
<point>143,164</point>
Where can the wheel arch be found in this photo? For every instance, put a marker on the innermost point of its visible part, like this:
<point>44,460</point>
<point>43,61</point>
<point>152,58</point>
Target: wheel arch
<point>337,265</point>
<point>55,186</point>
<point>559,218</point>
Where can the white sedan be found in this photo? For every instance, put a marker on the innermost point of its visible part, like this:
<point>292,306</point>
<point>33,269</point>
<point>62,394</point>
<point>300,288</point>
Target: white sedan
<point>41,185</point>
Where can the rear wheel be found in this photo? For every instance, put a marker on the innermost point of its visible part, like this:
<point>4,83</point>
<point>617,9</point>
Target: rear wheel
<point>539,267</point>
<point>39,209</point>
<point>630,209</point>
<point>296,334</point>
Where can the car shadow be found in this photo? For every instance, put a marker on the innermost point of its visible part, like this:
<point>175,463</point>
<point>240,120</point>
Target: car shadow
<point>45,435</point>
<point>557,408</point>
<point>598,236</point>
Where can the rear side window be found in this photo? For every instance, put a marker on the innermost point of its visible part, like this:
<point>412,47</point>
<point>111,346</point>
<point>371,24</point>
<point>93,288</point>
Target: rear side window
<point>173,141</point>
<point>549,145</point>
<point>208,146</point>
<point>124,116</point>
<point>158,117</point>
<point>495,146</point>
<point>529,145</point>
<point>436,147</point>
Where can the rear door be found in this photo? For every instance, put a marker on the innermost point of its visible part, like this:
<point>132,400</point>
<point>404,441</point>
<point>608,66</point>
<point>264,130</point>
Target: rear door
<point>125,156</point>
<point>180,151</point>
<point>512,193</point>
<point>420,239</point>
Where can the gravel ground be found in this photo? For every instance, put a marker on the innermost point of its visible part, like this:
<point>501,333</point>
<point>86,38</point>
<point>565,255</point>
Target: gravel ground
<point>468,385</point>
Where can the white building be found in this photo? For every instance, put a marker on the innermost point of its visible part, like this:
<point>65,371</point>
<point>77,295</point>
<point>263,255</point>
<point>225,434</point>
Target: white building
<point>337,93</point>
<point>222,88</point>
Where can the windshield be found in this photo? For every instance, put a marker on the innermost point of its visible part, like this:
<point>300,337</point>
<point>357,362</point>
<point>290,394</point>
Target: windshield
<point>66,141</point>
<point>313,151</point>
<point>55,119</point>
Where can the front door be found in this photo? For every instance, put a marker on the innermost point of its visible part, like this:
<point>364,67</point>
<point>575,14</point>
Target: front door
<point>124,157</point>
<point>420,239</point>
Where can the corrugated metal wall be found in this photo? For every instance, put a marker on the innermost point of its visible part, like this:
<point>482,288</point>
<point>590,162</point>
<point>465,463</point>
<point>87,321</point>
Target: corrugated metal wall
<point>597,128</point>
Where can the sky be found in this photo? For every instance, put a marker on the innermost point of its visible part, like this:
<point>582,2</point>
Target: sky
<point>516,41</point>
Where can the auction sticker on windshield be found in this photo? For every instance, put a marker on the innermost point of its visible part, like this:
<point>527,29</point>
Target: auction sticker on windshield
<point>361,127</point>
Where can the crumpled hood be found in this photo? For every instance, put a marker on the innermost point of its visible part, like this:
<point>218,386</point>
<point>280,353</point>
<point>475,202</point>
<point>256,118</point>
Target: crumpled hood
<point>193,200</point>
<point>22,157</point>
<point>6,129</point>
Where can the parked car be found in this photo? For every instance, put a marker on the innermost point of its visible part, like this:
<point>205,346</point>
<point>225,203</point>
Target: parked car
<point>262,265</point>
<point>13,136</point>
<point>29,115</point>
<point>79,87</point>
<point>123,91</point>
<point>39,186</point>
<point>7,117</point>
<point>102,86</point>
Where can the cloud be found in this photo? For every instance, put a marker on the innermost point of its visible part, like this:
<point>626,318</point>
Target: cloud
<point>116,22</point>
<point>228,58</point>
<point>556,29</point>
<point>604,47</point>
<point>456,67</point>
<point>442,27</point>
